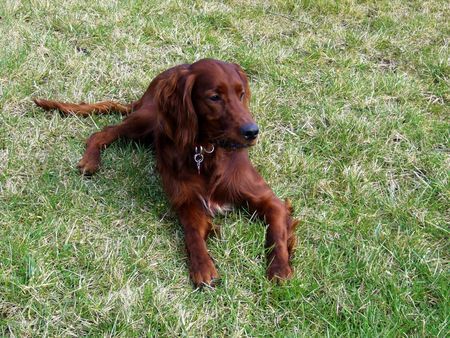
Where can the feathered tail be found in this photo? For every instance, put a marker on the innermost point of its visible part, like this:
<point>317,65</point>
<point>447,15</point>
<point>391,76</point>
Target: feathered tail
<point>85,109</point>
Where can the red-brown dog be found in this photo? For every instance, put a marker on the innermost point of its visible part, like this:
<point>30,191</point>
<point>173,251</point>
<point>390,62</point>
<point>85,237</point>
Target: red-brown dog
<point>198,119</point>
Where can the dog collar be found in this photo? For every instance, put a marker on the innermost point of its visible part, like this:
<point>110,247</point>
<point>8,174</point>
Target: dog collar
<point>199,157</point>
<point>229,145</point>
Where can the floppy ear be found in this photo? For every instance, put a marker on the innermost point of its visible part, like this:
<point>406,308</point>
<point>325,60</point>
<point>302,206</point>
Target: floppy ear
<point>244,79</point>
<point>176,114</point>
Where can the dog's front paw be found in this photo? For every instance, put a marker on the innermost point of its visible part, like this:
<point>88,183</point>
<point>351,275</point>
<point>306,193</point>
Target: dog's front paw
<point>279,271</point>
<point>204,273</point>
<point>88,166</point>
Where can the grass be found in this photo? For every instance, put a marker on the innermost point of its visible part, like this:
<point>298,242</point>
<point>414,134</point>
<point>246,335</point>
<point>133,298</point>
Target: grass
<point>352,99</point>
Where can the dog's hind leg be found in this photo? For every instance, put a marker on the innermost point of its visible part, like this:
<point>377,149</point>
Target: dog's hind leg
<point>138,125</point>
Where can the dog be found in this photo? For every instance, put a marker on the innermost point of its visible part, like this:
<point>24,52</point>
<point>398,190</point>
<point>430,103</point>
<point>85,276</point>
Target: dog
<point>198,120</point>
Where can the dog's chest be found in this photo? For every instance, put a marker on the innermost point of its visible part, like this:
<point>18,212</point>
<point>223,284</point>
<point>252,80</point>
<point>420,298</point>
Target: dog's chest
<point>213,207</point>
<point>219,195</point>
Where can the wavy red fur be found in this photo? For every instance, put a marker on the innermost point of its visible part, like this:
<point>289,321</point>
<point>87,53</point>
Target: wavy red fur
<point>187,108</point>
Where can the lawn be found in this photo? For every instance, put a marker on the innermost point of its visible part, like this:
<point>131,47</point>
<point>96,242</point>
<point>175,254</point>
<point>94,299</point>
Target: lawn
<point>352,98</point>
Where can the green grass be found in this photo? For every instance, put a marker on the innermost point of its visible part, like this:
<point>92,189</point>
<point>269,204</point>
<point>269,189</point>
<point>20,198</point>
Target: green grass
<point>352,98</point>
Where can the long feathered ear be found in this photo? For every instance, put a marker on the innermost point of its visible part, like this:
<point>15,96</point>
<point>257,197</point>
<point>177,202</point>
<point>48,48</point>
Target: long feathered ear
<point>176,114</point>
<point>246,84</point>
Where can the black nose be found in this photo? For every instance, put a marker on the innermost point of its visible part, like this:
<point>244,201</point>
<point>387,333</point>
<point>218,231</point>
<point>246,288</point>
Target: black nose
<point>250,131</point>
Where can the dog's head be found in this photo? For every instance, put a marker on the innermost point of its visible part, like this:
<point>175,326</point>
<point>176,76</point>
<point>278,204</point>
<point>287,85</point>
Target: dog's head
<point>207,102</point>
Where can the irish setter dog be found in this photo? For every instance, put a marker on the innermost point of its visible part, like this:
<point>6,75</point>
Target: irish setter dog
<point>197,117</point>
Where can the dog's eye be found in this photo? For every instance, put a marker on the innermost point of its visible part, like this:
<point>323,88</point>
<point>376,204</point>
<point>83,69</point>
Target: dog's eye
<point>214,97</point>
<point>242,96</point>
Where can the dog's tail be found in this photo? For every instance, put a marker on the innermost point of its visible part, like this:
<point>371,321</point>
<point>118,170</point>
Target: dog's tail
<point>85,109</point>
